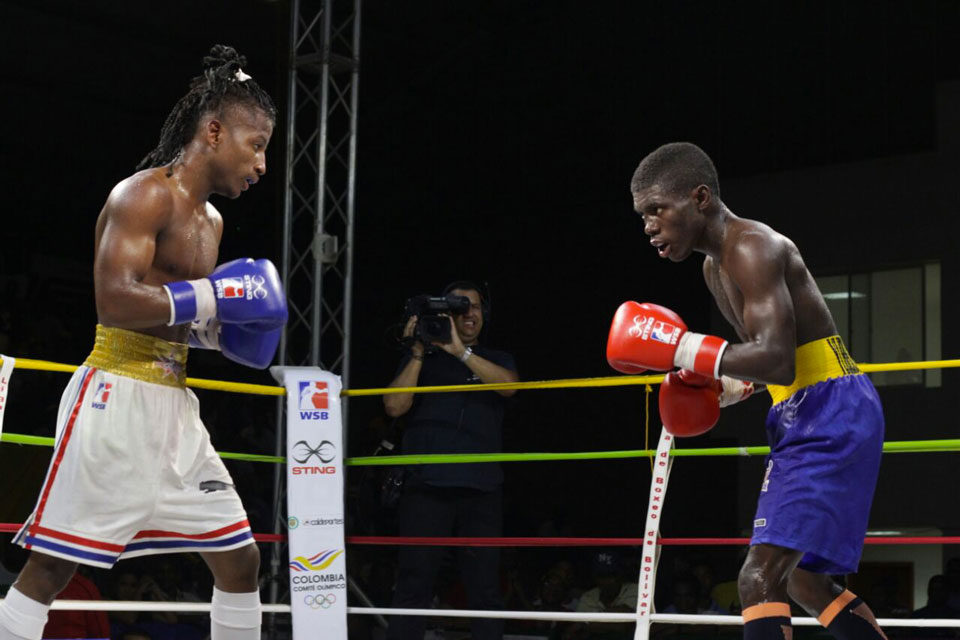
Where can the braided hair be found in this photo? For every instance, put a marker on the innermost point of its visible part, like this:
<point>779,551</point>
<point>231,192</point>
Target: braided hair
<point>221,83</point>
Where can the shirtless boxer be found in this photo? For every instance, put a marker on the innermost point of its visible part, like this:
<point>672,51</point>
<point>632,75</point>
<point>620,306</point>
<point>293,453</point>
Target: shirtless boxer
<point>133,471</point>
<point>826,425</point>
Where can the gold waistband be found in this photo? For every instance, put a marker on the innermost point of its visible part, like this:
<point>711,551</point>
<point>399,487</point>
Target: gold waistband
<point>139,356</point>
<point>817,361</point>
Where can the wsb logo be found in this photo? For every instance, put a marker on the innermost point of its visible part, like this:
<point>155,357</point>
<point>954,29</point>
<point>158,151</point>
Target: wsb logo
<point>325,453</point>
<point>101,396</point>
<point>314,397</point>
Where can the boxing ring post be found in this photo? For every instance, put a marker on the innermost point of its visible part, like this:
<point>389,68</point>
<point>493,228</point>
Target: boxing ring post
<point>6,369</point>
<point>319,177</point>
<point>650,551</point>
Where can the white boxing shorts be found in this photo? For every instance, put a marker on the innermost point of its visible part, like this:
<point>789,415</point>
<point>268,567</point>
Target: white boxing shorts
<point>133,472</point>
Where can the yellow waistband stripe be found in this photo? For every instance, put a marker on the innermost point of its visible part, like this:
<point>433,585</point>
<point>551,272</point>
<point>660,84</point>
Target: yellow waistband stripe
<point>139,356</point>
<point>817,361</point>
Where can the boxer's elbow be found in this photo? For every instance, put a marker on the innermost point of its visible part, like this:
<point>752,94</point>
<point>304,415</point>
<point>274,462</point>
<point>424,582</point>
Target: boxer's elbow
<point>769,362</point>
<point>120,306</point>
<point>780,379</point>
<point>782,371</point>
<point>110,311</point>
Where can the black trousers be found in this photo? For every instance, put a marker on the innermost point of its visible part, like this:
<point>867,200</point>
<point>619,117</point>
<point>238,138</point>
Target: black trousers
<point>426,510</point>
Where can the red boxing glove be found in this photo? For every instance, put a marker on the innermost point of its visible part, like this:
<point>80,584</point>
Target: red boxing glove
<point>730,390</point>
<point>643,336</point>
<point>687,410</point>
<point>648,336</point>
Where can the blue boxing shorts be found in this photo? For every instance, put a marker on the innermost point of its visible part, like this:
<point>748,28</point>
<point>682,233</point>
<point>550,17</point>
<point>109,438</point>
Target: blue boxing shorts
<point>826,439</point>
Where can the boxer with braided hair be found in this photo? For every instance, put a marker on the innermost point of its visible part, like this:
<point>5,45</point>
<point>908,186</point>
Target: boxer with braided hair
<point>133,470</point>
<point>223,83</point>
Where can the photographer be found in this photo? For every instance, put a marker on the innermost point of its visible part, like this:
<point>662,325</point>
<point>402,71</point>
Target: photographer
<point>450,499</point>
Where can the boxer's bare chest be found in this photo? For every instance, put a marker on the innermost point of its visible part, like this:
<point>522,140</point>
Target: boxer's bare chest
<point>188,247</point>
<point>726,294</point>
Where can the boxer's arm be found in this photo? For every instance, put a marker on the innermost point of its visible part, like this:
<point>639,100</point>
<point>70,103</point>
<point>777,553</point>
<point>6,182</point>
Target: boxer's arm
<point>757,266</point>
<point>135,214</point>
<point>711,277</point>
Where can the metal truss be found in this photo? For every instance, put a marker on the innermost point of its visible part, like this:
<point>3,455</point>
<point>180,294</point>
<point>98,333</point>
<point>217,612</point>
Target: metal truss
<point>320,172</point>
<point>320,178</point>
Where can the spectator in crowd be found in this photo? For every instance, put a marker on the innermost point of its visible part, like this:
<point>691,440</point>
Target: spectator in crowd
<point>726,594</point>
<point>161,625</point>
<point>75,623</point>
<point>883,600</point>
<point>515,582</point>
<point>703,572</point>
<point>953,582</point>
<point>612,593</point>
<point>554,593</point>
<point>688,599</point>
<point>448,499</point>
<point>938,604</point>
<point>12,558</point>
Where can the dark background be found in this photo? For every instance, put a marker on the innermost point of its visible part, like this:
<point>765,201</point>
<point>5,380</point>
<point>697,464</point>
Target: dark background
<point>496,142</point>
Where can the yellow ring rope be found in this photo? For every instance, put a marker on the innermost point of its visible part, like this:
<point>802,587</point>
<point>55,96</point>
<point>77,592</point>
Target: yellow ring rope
<point>611,381</point>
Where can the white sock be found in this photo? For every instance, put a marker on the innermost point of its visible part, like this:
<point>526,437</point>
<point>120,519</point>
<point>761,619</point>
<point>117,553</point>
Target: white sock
<point>234,616</point>
<point>22,618</point>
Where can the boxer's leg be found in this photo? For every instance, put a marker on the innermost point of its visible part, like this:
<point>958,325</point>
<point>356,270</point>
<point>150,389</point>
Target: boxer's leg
<point>844,615</point>
<point>23,613</point>
<point>763,592</point>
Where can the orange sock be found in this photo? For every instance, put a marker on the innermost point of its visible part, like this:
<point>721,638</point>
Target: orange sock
<point>767,621</point>
<point>849,618</point>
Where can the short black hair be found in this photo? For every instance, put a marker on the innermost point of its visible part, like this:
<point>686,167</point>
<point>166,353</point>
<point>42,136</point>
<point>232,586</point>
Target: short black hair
<point>463,285</point>
<point>219,85</point>
<point>678,167</point>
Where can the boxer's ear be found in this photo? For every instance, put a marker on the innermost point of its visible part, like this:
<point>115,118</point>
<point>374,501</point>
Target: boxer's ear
<point>702,196</point>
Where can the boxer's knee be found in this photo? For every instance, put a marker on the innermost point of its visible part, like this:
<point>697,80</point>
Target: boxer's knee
<point>753,584</point>
<point>43,577</point>
<point>812,591</point>
<point>237,570</point>
<point>763,576</point>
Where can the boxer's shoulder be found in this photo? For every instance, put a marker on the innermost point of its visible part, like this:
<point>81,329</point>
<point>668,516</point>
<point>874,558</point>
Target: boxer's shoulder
<point>145,196</point>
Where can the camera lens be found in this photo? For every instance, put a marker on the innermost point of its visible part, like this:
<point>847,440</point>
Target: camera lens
<point>434,328</point>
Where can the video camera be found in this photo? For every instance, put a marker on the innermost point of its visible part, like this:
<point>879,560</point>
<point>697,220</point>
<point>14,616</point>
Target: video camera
<point>433,327</point>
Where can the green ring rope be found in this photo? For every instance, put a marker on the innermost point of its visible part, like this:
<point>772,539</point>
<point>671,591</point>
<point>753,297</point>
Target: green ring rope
<point>903,446</point>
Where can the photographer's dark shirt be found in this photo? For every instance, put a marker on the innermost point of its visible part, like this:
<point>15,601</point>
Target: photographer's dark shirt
<point>461,422</point>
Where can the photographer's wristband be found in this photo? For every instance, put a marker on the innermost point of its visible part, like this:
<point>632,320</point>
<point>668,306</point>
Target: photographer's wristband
<point>466,354</point>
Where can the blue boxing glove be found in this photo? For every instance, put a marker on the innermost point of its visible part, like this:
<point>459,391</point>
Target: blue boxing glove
<point>245,344</point>
<point>205,334</point>
<point>249,346</point>
<point>240,291</point>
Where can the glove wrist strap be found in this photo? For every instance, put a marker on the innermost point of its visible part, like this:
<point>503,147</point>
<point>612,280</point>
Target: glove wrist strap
<point>205,335</point>
<point>191,300</point>
<point>734,391</point>
<point>701,353</point>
